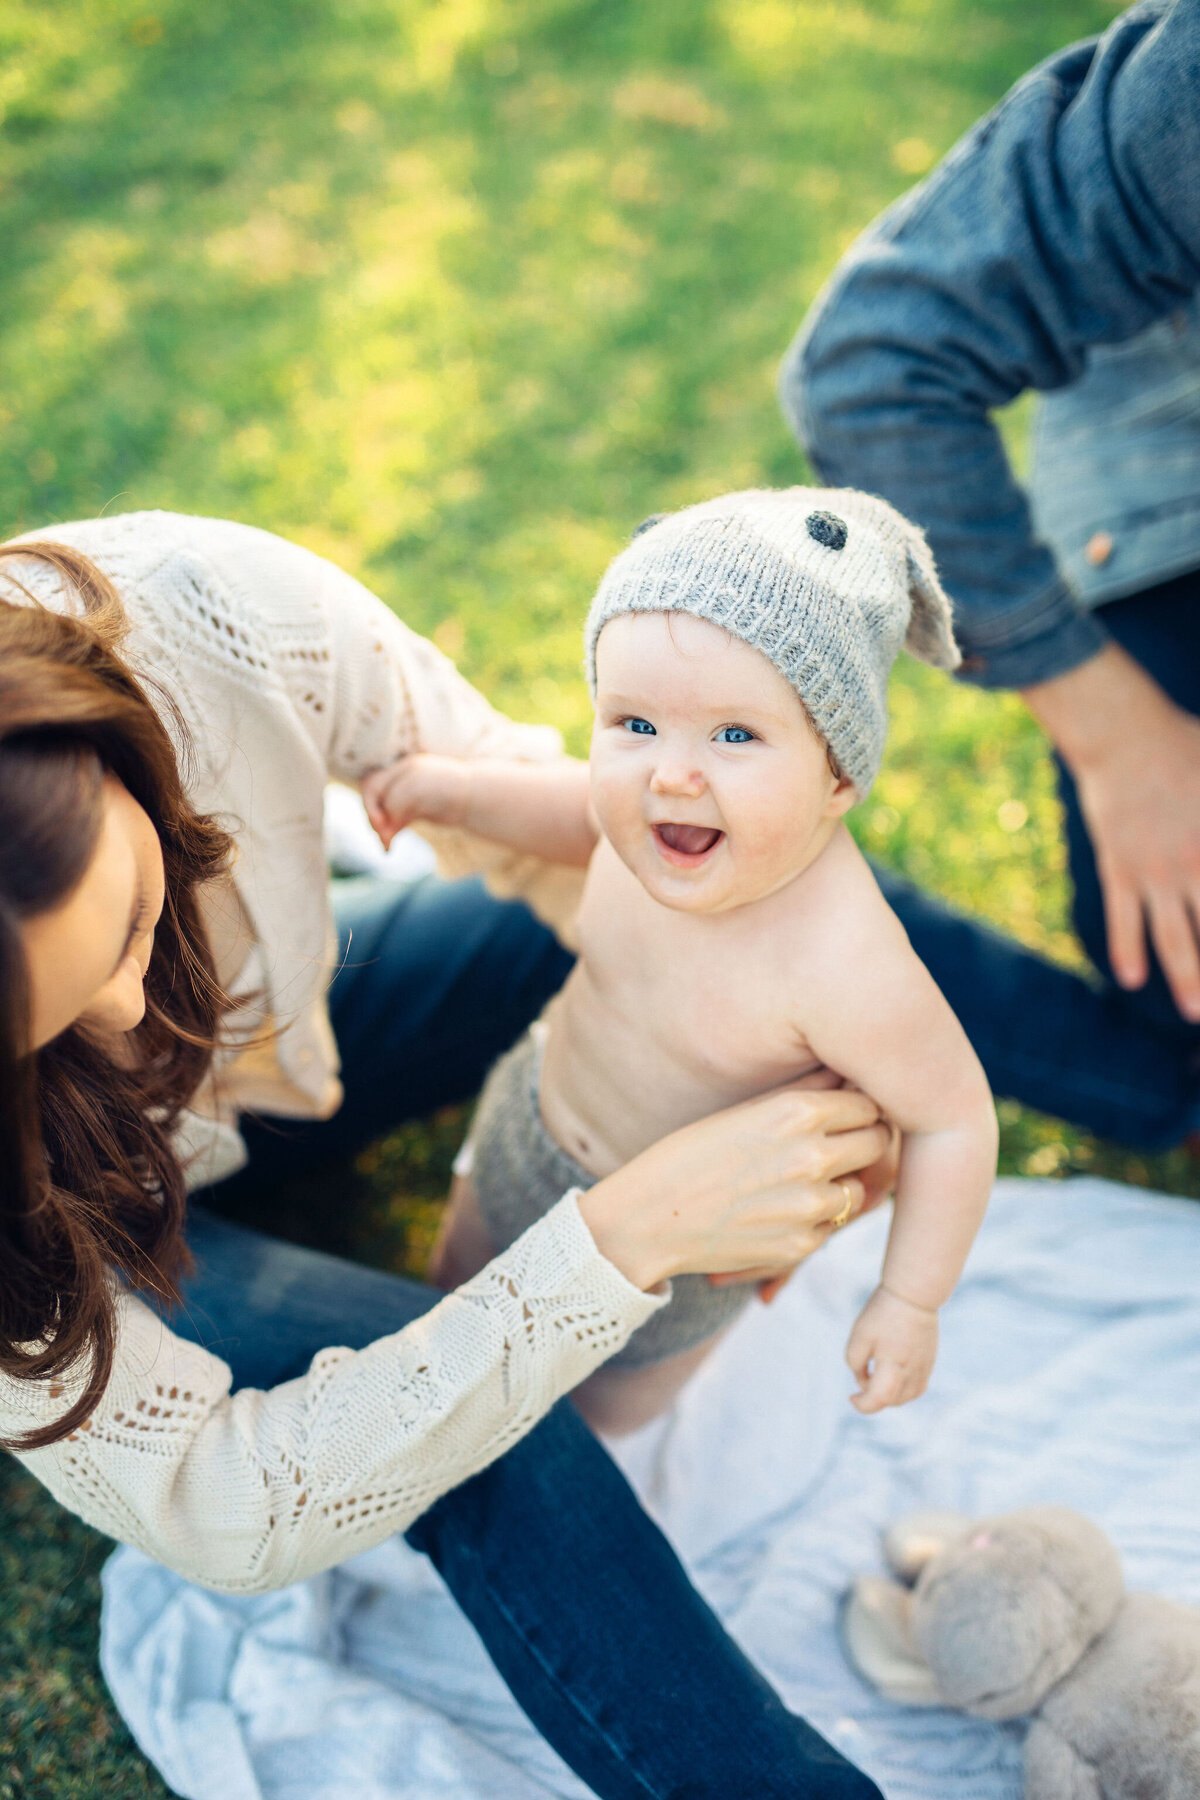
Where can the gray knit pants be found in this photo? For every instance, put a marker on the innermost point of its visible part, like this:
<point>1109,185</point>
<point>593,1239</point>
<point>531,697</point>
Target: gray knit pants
<point>520,1173</point>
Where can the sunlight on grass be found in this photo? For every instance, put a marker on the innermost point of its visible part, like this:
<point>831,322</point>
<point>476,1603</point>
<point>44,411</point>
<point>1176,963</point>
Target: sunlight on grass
<point>457,292</point>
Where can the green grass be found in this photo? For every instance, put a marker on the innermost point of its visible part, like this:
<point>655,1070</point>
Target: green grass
<point>457,291</point>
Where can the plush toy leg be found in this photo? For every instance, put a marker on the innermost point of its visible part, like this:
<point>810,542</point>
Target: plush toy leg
<point>878,1642</point>
<point>916,1539</point>
<point>1054,1771</point>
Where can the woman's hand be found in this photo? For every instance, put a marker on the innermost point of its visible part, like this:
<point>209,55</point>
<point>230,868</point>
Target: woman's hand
<point>756,1187</point>
<point>879,1181</point>
<point>877,1184</point>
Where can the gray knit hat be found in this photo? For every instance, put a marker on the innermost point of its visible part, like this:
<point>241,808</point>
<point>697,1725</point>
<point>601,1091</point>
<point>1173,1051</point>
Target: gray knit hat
<point>828,583</point>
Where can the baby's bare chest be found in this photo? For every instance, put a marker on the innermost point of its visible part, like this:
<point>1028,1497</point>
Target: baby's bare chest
<point>723,1008</point>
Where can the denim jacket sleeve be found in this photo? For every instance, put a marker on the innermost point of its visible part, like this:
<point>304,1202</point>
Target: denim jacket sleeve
<point>1068,217</point>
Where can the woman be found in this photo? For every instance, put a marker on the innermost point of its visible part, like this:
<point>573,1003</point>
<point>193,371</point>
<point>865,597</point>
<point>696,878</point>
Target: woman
<point>165,681</point>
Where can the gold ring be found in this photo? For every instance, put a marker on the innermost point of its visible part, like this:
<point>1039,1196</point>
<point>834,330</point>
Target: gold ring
<point>843,1217</point>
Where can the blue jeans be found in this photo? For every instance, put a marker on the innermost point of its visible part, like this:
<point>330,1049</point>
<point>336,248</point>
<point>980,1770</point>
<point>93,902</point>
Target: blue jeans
<point>580,1601</point>
<point>1124,1065</point>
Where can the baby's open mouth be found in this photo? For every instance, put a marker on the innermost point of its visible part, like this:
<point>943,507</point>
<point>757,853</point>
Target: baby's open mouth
<point>688,840</point>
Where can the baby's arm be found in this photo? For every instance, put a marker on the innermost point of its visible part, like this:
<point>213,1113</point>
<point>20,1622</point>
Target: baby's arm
<point>536,808</point>
<point>882,1022</point>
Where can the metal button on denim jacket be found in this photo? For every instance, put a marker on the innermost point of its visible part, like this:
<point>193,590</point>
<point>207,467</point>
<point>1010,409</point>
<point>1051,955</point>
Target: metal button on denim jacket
<point>1116,463</point>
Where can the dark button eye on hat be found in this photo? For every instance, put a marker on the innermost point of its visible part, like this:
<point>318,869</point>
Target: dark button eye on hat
<point>826,583</point>
<point>826,528</point>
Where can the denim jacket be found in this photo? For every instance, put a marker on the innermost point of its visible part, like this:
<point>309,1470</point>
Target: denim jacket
<point>1057,247</point>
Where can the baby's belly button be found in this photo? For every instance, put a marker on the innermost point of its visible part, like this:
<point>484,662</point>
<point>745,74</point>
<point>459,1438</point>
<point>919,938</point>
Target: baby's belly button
<point>602,1149</point>
<point>578,1135</point>
<point>597,1158</point>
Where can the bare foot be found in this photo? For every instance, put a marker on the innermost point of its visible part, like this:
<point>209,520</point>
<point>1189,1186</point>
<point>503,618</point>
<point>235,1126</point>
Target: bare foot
<point>463,1245</point>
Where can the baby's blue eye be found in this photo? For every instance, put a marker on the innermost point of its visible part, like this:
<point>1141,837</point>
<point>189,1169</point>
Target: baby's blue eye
<point>642,727</point>
<point>734,734</point>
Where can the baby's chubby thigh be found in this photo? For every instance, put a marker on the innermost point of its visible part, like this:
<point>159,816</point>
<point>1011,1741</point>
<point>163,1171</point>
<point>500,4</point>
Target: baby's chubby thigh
<point>618,1398</point>
<point>616,1401</point>
<point>502,1182</point>
<point>516,1172</point>
<point>463,1244</point>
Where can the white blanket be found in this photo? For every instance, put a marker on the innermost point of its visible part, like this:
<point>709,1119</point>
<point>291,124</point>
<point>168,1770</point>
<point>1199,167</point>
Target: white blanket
<point>1069,1372</point>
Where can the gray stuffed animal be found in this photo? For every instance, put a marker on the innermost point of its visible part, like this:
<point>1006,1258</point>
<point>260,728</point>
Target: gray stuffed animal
<point>1026,1613</point>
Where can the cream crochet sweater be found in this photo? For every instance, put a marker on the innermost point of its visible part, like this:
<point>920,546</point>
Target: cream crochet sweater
<point>289,673</point>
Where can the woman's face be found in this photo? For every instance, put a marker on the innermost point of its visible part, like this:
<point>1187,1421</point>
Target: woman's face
<point>88,957</point>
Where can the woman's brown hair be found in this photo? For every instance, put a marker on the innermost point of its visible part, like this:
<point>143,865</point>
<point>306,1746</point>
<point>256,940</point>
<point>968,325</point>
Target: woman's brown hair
<point>90,1186</point>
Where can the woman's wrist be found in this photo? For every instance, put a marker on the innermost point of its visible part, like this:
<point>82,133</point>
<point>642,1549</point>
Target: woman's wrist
<point>618,1233</point>
<point>755,1187</point>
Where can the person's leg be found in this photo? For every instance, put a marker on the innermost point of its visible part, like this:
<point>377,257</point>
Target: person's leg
<point>267,1307</point>
<point>593,1623</point>
<point>434,981</point>
<point>463,1244</point>
<point>1047,1036</point>
<point>578,1598</point>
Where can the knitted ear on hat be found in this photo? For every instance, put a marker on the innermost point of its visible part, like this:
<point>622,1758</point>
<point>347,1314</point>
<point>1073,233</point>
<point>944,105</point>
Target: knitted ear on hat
<point>930,627</point>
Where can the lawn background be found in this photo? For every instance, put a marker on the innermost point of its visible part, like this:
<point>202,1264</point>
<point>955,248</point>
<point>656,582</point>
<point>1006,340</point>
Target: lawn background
<point>456,292</point>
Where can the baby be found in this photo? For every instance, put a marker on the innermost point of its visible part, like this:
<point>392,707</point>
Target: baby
<point>731,936</point>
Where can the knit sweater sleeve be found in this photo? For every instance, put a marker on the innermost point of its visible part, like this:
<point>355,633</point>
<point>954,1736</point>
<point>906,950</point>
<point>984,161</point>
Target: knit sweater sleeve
<point>389,690</point>
<point>250,1491</point>
<point>368,689</point>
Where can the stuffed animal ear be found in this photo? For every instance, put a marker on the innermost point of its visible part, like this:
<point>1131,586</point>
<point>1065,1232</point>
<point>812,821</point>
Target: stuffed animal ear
<point>930,627</point>
<point>877,1638</point>
<point>916,1539</point>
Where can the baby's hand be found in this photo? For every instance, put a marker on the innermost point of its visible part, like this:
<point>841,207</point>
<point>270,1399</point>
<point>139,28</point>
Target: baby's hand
<point>419,786</point>
<point>891,1351</point>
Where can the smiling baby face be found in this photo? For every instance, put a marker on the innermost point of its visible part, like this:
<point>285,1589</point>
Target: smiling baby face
<point>707,776</point>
